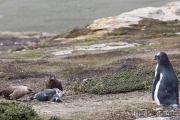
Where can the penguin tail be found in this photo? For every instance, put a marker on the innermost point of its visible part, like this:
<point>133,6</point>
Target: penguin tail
<point>31,98</point>
<point>23,100</point>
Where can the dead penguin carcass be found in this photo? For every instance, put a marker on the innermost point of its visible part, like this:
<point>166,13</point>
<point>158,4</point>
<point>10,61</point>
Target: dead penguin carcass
<point>49,95</point>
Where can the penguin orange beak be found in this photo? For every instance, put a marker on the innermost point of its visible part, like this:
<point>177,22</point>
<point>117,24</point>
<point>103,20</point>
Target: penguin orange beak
<point>153,58</point>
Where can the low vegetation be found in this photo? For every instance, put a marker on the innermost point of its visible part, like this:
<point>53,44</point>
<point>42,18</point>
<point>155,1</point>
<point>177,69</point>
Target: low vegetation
<point>75,32</point>
<point>119,82</point>
<point>17,111</point>
<point>149,28</point>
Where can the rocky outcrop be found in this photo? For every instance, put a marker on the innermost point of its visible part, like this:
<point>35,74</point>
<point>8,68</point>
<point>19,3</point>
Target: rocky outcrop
<point>168,12</point>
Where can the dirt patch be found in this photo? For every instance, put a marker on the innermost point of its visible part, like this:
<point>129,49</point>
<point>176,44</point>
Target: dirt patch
<point>92,106</point>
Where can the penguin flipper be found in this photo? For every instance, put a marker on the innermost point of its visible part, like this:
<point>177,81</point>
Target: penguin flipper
<point>156,79</point>
<point>1,91</point>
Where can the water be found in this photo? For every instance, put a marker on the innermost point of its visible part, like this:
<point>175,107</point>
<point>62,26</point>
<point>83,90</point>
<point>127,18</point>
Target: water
<point>56,16</point>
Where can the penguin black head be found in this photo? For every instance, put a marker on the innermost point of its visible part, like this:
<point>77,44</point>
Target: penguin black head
<point>161,57</point>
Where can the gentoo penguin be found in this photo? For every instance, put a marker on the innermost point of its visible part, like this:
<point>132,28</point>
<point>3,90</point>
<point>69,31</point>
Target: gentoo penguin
<point>53,83</point>
<point>165,85</point>
<point>49,95</point>
<point>15,92</point>
<point>56,98</point>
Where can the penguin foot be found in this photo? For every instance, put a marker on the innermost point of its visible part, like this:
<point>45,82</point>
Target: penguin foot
<point>153,102</point>
<point>176,106</point>
<point>159,109</point>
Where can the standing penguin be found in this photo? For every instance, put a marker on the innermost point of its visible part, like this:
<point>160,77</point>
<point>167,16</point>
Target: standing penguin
<point>165,86</point>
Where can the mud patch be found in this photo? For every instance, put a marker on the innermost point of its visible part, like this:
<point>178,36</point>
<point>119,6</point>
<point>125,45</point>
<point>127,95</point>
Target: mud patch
<point>12,43</point>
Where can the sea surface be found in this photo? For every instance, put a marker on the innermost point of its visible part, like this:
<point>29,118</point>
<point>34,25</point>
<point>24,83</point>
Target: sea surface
<point>56,16</point>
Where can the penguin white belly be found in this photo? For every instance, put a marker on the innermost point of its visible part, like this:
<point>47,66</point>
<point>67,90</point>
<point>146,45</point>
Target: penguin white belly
<point>157,89</point>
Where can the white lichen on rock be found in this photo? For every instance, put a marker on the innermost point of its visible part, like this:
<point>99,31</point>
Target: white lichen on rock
<point>168,12</point>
